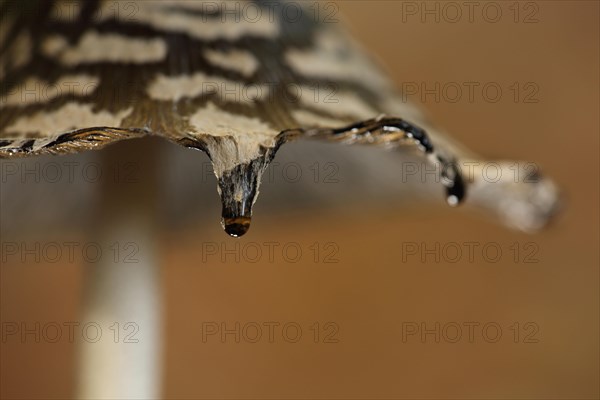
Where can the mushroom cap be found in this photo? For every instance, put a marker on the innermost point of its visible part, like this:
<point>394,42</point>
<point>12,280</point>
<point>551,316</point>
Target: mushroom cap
<point>235,83</point>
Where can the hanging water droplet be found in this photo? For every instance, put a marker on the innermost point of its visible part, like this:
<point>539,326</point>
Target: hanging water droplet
<point>452,200</point>
<point>236,227</point>
<point>455,192</point>
<point>453,180</point>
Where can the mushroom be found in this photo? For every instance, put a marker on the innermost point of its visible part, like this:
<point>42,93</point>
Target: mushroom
<point>234,87</point>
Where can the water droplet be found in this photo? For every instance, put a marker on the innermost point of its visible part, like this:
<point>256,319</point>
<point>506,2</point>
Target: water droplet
<point>236,227</point>
<point>452,200</point>
<point>455,190</point>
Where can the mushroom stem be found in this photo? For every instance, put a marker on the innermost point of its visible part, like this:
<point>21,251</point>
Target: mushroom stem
<point>123,289</point>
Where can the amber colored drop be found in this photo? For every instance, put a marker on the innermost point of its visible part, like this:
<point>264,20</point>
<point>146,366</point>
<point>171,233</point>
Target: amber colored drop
<point>237,226</point>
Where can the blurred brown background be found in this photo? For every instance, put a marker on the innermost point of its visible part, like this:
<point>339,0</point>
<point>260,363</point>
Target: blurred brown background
<point>375,292</point>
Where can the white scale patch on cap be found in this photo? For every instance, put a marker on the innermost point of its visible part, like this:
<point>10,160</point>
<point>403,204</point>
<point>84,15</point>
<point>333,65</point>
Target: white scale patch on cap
<point>174,88</point>
<point>241,61</point>
<point>339,103</point>
<point>69,117</point>
<point>110,47</point>
<point>248,135</point>
<point>238,19</point>
<point>35,90</point>
<point>53,45</point>
<point>335,57</point>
